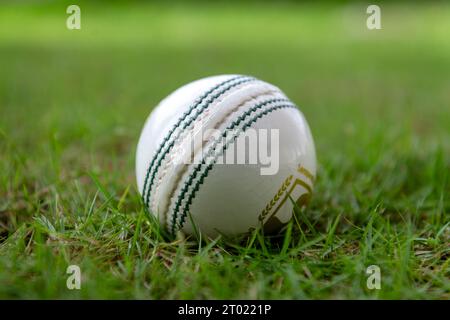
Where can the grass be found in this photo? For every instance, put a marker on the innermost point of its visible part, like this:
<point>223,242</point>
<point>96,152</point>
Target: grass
<point>72,104</point>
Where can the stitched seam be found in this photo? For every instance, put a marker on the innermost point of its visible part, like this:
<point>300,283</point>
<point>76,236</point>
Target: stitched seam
<point>210,166</point>
<point>193,175</point>
<point>216,126</point>
<point>183,134</point>
<point>196,103</point>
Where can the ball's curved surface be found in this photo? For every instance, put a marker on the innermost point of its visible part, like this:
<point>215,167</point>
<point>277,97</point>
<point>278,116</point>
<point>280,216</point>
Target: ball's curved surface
<point>183,172</point>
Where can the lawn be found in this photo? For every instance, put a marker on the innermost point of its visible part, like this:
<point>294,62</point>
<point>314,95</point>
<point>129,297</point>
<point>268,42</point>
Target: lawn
<point>72,104</point>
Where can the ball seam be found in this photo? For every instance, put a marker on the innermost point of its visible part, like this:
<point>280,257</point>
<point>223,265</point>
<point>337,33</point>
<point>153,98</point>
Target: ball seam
<point>235,109</point>
<point>209,167</point>
<point>154,167</point>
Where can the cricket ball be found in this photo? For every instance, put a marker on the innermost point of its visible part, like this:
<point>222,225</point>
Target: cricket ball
<point>225,155</point>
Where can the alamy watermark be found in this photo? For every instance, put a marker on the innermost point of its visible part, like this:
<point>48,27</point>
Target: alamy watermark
<point>374,20</point>
<point>74,280</point>
<point>374,279</point>
<point>73,22</point>
<point>212,146</point>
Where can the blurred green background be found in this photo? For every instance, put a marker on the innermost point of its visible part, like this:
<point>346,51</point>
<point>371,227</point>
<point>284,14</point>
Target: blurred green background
<point>73,102</point>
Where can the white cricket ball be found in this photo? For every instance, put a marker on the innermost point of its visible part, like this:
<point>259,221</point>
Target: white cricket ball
<point>223,155</point>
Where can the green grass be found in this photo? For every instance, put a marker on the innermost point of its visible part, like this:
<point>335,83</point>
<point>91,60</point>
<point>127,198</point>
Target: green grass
<point>72,104</point>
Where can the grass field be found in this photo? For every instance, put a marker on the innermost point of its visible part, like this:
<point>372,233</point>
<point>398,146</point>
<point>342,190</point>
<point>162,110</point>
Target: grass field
<point>72,104</point>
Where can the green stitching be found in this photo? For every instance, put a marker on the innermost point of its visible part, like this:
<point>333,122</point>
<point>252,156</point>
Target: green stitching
<point>146,195</point>
<point>210,166</point>
<point>183,117</point>
<point>197,168</point>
